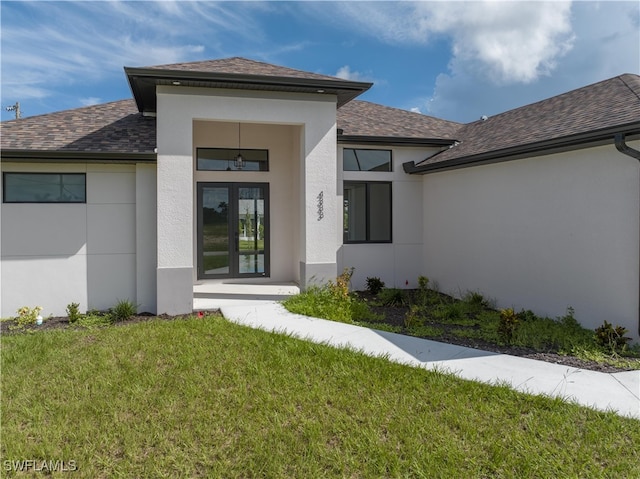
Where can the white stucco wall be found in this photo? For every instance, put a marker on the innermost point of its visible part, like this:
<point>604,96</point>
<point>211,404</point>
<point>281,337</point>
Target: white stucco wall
<point>542,233</point>
<point>56,254</point>
<point>178,107</point>
<point>398,263</point>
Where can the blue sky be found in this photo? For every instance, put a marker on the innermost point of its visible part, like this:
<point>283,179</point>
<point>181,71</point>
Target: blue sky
<point>455,60</point>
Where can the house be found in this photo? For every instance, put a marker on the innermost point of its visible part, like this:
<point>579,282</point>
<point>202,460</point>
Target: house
<point>234,170</point>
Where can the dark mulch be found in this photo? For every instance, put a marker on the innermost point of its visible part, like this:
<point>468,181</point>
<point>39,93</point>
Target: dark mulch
<point>62,322</point>
<point>395,316</point>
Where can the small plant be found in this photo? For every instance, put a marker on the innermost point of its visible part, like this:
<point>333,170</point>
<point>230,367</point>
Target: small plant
<point>423,283</point>
<point>123,310</point>
<point>509,321</point>
<point>27,316</point>
<point>374,285</point>
<point>73,312</point>
<point>414,317</point>
<point>341,287</point>
<point>392,297</point>
<point>476,299</point>
<point>612,337</point>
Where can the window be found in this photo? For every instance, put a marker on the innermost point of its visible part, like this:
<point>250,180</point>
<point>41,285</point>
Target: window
<point>367,212</point>
<point>222,159</point>
<point>44,188</point>
<point>366,160</point>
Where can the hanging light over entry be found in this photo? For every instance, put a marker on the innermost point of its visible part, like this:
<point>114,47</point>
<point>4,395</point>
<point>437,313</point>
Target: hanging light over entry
<point>239,161</point>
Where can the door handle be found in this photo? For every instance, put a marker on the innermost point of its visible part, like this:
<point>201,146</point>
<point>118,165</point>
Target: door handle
<point>237,241</point>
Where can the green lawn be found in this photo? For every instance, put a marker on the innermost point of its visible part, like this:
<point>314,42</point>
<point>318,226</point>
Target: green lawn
<point>207,398</point>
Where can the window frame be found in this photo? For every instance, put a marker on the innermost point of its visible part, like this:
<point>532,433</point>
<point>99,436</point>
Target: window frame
<point>6,174</point>
<point>367,239</point>
<point>230,162</point>
<point>390,151</point>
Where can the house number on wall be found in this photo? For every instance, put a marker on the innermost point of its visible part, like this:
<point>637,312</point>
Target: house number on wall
<point>320,205</point>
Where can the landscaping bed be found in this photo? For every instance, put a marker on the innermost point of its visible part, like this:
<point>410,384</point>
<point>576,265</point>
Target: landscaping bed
<point>394,319</point>
<point>471,321</point>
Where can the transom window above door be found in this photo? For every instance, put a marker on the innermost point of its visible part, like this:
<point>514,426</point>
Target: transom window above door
<point>224,159</point>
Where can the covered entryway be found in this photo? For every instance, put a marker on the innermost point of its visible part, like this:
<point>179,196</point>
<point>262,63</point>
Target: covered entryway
<point>233,230</point>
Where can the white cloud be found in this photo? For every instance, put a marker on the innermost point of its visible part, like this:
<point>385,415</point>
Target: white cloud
<point>92,100</point>
<point>346,74</point>
<point>606,44</point>
<point>505,41</point>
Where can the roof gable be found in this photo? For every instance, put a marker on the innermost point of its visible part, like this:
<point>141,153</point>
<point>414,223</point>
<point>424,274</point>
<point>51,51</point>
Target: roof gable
<point>236,73</point>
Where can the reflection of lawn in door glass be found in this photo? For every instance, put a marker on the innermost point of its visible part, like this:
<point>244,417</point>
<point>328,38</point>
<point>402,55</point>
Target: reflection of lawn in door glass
<point>215,237</point>
<point>249,245</point>
<point>215,262</point>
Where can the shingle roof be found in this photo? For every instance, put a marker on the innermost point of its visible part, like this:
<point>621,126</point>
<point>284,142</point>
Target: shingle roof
<point>599,107</point>
<point>114,127</point>
<point>242,66</point>
<point>236,73</point>
<point>118,127</point>
<point>362,118</point>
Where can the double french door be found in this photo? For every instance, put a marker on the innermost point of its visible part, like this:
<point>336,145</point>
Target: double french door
<point>233,230</point>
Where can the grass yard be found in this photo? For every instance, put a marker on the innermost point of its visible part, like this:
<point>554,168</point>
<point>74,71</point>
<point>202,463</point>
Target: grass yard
<point>207,398</point>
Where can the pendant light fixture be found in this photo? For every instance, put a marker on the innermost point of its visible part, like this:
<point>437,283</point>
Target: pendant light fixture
<point>239,161</point>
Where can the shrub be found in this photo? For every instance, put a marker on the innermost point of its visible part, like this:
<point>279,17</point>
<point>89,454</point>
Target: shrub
<point>374,285</point>
<point>612,337</point>
<point>73,312</point>
<point>423,283</point>
<point>123,310</point>
<point>392,297</point>
<point>27,316</point>
<point>509,321</point>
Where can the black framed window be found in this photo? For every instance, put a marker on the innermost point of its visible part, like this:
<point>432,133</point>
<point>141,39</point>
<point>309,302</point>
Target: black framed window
<point>223,159</point>
<point>355,159</point>
<point>44,187</point>
<point>367,212</point>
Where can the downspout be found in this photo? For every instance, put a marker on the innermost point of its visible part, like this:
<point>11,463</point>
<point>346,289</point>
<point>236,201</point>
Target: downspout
<point>625,149</point>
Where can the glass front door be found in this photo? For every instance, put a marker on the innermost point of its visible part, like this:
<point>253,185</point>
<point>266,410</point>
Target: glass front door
<point>233,230</point>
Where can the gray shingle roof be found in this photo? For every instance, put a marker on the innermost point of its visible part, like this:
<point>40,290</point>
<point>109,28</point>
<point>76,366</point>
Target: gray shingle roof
<point>242,66</point>
<point>118,127</point>
<point>362,118</point>
<point>114,127</point>
<point>599,107</point>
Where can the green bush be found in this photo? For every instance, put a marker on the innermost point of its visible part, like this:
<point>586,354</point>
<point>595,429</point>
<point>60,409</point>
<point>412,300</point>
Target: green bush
<point>123,310</point>
<point>331,301</point>
<point>509,321</point>
<point>612,338</point>
<point>374,285</point>
<point>73,312</point>
<point>392,297</point>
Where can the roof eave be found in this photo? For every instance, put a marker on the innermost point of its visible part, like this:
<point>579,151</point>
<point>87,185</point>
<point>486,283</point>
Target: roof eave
<point>61,156</point>
<point>394,141</point>
<point>346,90</point>
<point>540,148</point>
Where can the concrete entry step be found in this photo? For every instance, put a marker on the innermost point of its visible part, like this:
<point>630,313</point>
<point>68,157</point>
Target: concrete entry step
<point>209,294</point>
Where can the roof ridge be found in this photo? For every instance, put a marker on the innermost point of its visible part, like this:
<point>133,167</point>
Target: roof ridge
<point>621,78</point>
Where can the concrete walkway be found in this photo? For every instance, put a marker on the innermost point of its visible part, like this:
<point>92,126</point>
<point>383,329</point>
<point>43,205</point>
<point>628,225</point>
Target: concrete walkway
<point>618,392</point>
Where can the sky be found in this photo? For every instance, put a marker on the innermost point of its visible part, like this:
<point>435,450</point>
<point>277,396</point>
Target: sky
<point>455,60</point>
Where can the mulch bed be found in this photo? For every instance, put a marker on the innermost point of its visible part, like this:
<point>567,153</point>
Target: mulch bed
<point>395,316</point>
